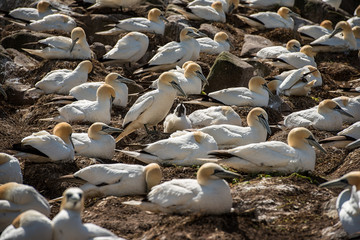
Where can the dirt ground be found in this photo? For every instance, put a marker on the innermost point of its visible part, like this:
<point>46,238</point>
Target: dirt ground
<point>266,206</point>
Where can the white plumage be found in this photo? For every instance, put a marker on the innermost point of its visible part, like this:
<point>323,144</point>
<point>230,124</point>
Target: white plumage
<point>55,21</point>
<point>214,115</point>
<point>274,51</point>
<point>269,3</point>
<point>177,120</point>
<point>316,31</point>
<point>214,12</point>
<point>227,5</point>
<point>116,3</point>
<point>297,59</point>
<point>10,170</point>
<point>351,105</point>
<point>42,9</point>
<point>220,43</point>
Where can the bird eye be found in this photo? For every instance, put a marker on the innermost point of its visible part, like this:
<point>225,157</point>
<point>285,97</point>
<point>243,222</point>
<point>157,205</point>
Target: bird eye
<point>68,195</point>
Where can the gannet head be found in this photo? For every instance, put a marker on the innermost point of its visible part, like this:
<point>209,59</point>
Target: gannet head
<point>73,199</point>
<point>42,6</point>
<point>309,85</point>
<point>293,45</point>
<point>212,171</point>
<point>77,34</point>
<point>112,78</point>
<point>348,180</point>
<point>284,12</point>
<point>217,6</point>
<point>233,4</point>
<point>99,128</point>
<point>356,31</point>
<point>155,15</point>
<point>227,110</point>
<point>26,218</point>
<point>86,65</point>
<point>153,175</point>
<point>357,11</point>
<point>313,70</point>
<point>180,110</point>
<point>189,33</point>
<point>63,130</point>
<point>300,137</point>
<point>221,37</point>
<point>105,91</point>
<point>194,69</point>
<point>308,50</point>
<point>169,79</point>
<point>343,27</point>
<point>329,105</point>
<point>4,158</point>
<point>274,85</point>
<point>327,24</point>
<point>199,136</point>
<point>256,84</point>
<point>185,64</point>
<point>258,115</point>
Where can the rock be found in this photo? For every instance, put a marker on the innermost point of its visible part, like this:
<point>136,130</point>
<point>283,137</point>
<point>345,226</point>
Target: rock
<point>229,71</point>
<point>20,94</point>
<point>349,5</point>
<point>209,29</point>
<point>4,60</point>
<point>172,29</point>
<point>261,69</point>
<point>253,43</point>
<point>99,49</point>
<point>21,59</point>
<point>8,5</point>
<point>18,39</point>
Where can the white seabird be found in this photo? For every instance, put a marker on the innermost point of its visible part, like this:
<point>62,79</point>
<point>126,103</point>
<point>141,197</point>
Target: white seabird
<point>268,3</point>
<point>351,105</point>
<point>355,21</point>
<point>214,12</point>
<point>55,21</point>
<point>220,43</point>
<point>334,3</point>
<point>356,31</point>
<point>274,51</point>
<point>343,138</point>
<point>295,60</point>
<point>177,120</point>
<point>42,9</point>
<point>300,88</point>
<point>10,170</point>
<point>116,4</point>
<point>227,5</point>
<point>213,116</point>
<point>312,32</point>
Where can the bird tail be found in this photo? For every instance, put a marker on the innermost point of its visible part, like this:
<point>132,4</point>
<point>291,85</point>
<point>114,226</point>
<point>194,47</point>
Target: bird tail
<point>35,52</point>
<point>71,178</point>
<point>142,156</point>
<point>55,119</point>
<point>112,31</point>
<point>146,206</point>
<point>130,128</point>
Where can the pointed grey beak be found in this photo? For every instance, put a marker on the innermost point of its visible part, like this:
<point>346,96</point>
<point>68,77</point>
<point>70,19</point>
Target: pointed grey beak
<point>2,91</point>
<point>225,174</point>
<point>293,14</point>
<point>305,74</point>
<point>342,111</point>
<point>337,183</point>
<point>177,87</point>
<point>335,32</point>
<point>297,47</point>
<point>265,123</point>
<point>231,8</point>
<point>163,18</point>
<point>197,34</point>
<point>231,45</point>
<point>353,145</point>
<point>180,110</point>
<point>73,44</point>
<point>202,77</point>
<point>268,90</point>
<point>125,80</point>
<point>314,143</point>
<point>108,129</point>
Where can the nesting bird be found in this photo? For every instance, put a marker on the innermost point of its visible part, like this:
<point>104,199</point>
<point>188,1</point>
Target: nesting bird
<point>351,105</point>
<point>214,115</point>
<point>355,21</point>
<point>214,12</point>
<point>227,5</point>
<point>42,9</point>
<point>177,120</point>
<point>274,51</point>
<point>55,21</point>
<point>116,4</point>
<point>312,32</point>
<point>10,170</point>
<point>343,138</point>
<point>220,43</point>
<point>268,3</point>
<point>295,60</point>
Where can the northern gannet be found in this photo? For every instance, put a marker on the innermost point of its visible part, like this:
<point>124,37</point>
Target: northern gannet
<point>274,51</point>
<point>154,23</point>
<point>227,5</point>
<point>208,194</point>
<point>355,21</point>
<point>326,117</point>
<point>182,150</point>
<point>312,32</point>
<point>220,43</point>
<point>17,198</point>
<point>129,49</point>
<point>214,12</point>
<point>152,107</point>
<point>116,4</point>
<point>298,89</point>
<point>62,80</point>
<point>350,105</point>
<point>60,47</point>
<point>343,138</point>
<point>274,156</point>
<point>177,120</point>
<point>280,19</point>
<point>55,21</point>
<point>295,60</point>
<point>116,179</point>
<point>97,142</point>
<point>45,147</point>
<point>29,225</point>
<point>42,9</point>
<point>213,116</point>
<point>10,170</point>
<point>356,31</point>
<point>347,203</point>
<point>67,223</point>
<point>268,3</point>
<point>334,3</point>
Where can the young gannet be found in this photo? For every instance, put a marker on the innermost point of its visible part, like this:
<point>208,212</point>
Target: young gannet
<point>154,23</point>
<point>262,20</point>
<point>129,49</point>
<point>175,53</point>
<point>116,4</point>
<point>350,105</point>
<point>116,179</point>
<point>10,170</point>
<point>227,5</point>
<point>214,12</point>
<point>326,117</point>
<point>62,80</point>
<point>97,142</point>
<point>55,21</point>
<point>227,135</point>
<point>268,3</point>
<point>355,21</point>
<point>152,107</point>
<point>274,51</point>
<point>60,47</point>
<point>343,138</point>
<point>213,116</point>
<point>17,198</point>
<point>220,43</point>
<point>67,223</point>
<point>177,120</point>
<point>42,9</point>
<point>296,59</point>
<point>274,156</point>
<point>29,225</point>
<point>347,203</point>
<point>208,194</point>
<point>334,3</point>
<point>45,147</point>
<point>312,32</point>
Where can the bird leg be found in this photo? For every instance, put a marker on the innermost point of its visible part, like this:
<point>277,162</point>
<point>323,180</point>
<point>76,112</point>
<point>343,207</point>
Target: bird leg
<point>150,132</point>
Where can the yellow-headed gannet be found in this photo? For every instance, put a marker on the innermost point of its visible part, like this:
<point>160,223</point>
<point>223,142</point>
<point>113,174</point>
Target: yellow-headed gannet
<point>355,21</point>
<point>214,115</point>
<point>67,223</point>
<point>356,31</point>
<point>208,194</point>
<point>62,80</point>
<point>334,3</point>
<point>116,179</point>
<point>343,138</point>
<point>16,198</point>
<point>45,147</point>
<point>177,120</point>
<point>220,43</point>
<point>274,51</point>
<point>152,107</point>
<point>29,225</point>
<point>350,105</point>
<point>116,4</point>
<point>347,203</point>
<point>97,142</point>
<point>274,156</point>
<point>227,5</point>
<point>296,59</point>
<point>326,117</point>
<point>300,88</point>
<point>60,47</point>
<point>268,3</point>
<point>214,12</point>
<point>10,170</point>
<point>312,32</point>
<point>280,19</point>
<point>55,21</point>
<point>154,23</point>
<point>42,9</point>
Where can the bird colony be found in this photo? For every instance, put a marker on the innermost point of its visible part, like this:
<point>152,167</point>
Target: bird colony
<point>202,119</point>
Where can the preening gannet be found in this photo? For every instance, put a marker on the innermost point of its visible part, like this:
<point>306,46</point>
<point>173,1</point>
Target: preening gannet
<point>274,156</point>
<point>274,51</point>
<point>17,198</point>
<point>62,80</point>
<point>116,179</point>
<point>350,105</point>
<point>177,120</point>
<point>42,9</point>
<point>220,43</point>
<point>10,170</point>
<point>343,138</point>
<point>312,32</point>
<point>208,194</point>
<point>213,116</point>
<point>227,5</point>
<point>214,12</point>
<point>296,59</point>
<point>355,21</point>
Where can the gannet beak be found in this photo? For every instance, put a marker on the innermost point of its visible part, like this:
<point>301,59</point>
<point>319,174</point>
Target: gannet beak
<point>268,90</point>
<point>125,80</point>
<point>177,87</point>
<point>337,183</point>
<point>297,47</point>
<point>180,111</point>
<point>231,45</point>
<point>202,77</point>
<point>231,8</point>
<point>314,143</point>
<point>72,143</point>
<point>2,91</point>
<point>225,174</point>
<point>73,44</point>
<point>196,34</point>
<point>343,112</point>
<point>291,13</point>
<point>335,32</point>
<point>163,18</point>
<point>265,123</point>
<point>305,74</point>
<point>353,145</point>
<point>108,129</point>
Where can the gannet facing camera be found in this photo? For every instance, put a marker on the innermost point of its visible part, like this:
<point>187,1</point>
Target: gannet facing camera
<point>273,156</point>
<point>62,80</point>
<point>274,51</point>
<point>97,142</point>
<point>312,32</point>
<point>347,136</point>
<point>10,170</point>
<point>347,203</point>
<point>29,225</point>
<point>326,117</point>
<point>67,223</point>
<point>116,179</point>
<point>351,105</point>
<point>59,47</point>
<point>296,60</point>
<point>17,198</point>
<point>220,43</point>
<point>214,115</point>
<point>214,12</point>
<point>152,107</point>
<point>42,9</point>
<point>177,120</point>
<point>208,194</point>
